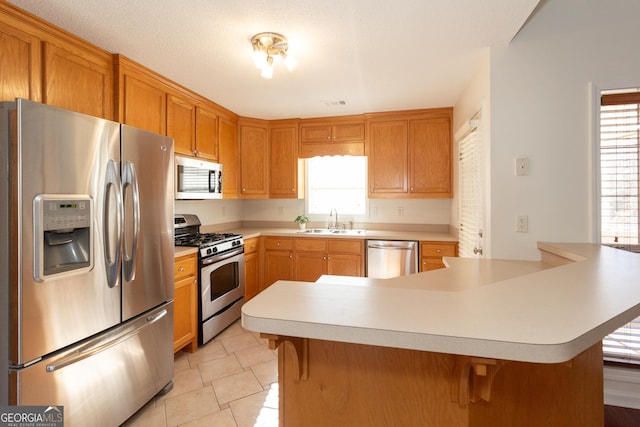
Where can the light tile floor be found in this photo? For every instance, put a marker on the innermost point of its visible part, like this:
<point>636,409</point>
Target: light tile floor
<point>232,381</point>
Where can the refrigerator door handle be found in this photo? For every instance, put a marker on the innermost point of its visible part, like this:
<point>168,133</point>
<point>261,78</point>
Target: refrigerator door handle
<point>130,182</point>
<point>101,344</point>
<point>112,255</point>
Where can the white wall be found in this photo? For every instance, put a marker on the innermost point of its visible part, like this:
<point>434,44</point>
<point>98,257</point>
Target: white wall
<point>540,109</point>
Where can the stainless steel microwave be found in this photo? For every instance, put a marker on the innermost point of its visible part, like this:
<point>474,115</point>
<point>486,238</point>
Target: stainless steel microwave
<point>197,179</point>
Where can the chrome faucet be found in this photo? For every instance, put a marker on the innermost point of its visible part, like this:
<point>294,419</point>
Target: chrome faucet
<point>335,221</point>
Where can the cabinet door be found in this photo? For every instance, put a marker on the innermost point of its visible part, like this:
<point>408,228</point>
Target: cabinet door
<point>254,149</point>
<point>144,105</point>
<point>348,132</point>
<point>252,275</point>
<point>181,116</point>
<point>19,65</point>
<point>345,265</point>
<point>229,157</point>
<point>309,266</point>
<point>430,156</point>
<point>206,134</point>
<point>315,133</point>
<point>76,82</point>
<point>185,313</point>
<point>278,265</point>
<point>283,160</point>
<point>388,157</point>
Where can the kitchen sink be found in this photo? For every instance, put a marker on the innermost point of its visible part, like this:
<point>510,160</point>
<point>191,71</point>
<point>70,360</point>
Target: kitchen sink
<point>328,231</point>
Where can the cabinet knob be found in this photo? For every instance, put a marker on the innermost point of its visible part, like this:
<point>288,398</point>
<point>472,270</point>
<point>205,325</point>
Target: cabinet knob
<point>278,244</point>
<point>328,138</point>
<point>438,250</point>
<point>290,255</point>
<point>181,269</point>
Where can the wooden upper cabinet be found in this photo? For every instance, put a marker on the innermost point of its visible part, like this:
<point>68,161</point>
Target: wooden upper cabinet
<point>430,156</point>
<point>181,122</point>
<point>332,136</point>
<point>283,159</point>
<point>77,81</point>
<point>254,158</point>
<point>141,98</point>
<point>194,128</point>
<point>388,152</point>
<point>19,64</point>
<point>410,154</point>
<point>229,156</point>
<point>206,143</point>
<point>312,131</point>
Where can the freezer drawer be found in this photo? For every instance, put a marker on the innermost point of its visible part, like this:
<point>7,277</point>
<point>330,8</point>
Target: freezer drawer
<point>104,381</point>
<point>391,258</point>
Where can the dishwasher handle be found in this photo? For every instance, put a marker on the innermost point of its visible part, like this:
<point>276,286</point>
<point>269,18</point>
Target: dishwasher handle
<point>392,248</point>
<point>392,244</point>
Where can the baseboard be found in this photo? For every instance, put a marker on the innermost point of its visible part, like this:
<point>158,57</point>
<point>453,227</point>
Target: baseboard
<point>622,387</point>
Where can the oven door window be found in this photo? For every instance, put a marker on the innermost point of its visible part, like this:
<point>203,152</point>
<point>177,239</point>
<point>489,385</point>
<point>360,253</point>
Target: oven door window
<point>224,279</point>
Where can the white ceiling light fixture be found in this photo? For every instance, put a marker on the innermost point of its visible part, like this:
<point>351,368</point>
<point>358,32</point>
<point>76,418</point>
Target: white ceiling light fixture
<point>266,46</point>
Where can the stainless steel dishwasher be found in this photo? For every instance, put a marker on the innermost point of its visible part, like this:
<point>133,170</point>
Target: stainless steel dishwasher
<point>391,258</point>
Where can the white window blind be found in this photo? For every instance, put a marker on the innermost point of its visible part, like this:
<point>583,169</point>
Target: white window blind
<point>619,177</point>
<point>471,195</point>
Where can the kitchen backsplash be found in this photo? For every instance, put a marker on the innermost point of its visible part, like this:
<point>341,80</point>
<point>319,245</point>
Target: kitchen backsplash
<point>400,211</point>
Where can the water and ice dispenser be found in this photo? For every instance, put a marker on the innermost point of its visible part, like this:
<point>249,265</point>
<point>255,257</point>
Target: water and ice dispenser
<point>63,235</point>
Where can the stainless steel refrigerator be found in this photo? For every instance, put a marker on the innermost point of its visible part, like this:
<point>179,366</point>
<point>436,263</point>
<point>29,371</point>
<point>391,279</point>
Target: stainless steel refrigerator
<point>86,280</point>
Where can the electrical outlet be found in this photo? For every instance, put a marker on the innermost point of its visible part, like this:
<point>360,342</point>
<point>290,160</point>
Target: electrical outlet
<point>400,211</point>
<point>522,224</point>
<point>280,211</point>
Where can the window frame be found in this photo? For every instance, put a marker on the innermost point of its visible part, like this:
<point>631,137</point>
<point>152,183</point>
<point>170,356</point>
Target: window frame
<point>617,350</point>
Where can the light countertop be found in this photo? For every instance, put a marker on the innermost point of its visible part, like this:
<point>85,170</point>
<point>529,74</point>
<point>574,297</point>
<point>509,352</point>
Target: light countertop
<point>369,234</point>
<point>513,310</point>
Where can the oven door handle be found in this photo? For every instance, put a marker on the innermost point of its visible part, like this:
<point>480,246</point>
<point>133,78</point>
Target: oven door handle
<point>217,258</point>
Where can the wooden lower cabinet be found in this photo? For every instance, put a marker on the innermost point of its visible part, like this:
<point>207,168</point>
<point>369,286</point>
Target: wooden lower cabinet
<point>251,268</point>
<point>185,304</point>
<point>278,260</point>
<point>431,254</point>
<point>315,257</point>
<point>328,383</point>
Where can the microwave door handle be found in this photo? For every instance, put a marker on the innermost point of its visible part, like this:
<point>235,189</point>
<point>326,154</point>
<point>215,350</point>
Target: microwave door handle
<point>130,182</point>
<point>112,254</point>
<point>213,179</point>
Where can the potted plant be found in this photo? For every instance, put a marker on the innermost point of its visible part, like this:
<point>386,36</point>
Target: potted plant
<point>302,221</point>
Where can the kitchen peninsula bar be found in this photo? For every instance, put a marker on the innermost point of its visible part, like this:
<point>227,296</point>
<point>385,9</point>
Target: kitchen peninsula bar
<point>481,343</point>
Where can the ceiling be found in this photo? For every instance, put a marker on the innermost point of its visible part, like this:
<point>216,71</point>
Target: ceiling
<point>354,56</point>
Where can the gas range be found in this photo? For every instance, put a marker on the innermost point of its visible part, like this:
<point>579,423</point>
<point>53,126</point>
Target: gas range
<point>187,233</point>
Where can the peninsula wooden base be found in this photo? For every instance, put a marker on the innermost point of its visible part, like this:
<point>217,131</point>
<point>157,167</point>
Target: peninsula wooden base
<point>326,383</point>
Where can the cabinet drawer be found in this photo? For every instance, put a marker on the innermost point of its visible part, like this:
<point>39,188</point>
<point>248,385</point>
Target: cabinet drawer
<point>437,249</point>
<point>278,243</point>
<point>251,245</point>
<point>311,244</point>
<point>350,246</point>
<point>185,266</point>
